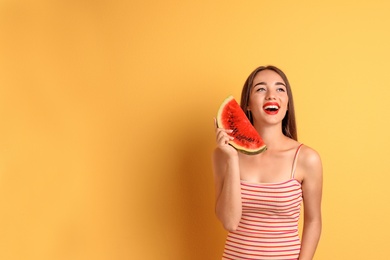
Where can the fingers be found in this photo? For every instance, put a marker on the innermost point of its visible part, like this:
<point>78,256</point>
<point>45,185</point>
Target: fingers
<point>223,136</point>
<point>224,139</point>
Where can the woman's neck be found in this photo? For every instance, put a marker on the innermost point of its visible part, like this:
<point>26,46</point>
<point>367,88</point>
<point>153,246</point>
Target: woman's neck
<point>272,136</point>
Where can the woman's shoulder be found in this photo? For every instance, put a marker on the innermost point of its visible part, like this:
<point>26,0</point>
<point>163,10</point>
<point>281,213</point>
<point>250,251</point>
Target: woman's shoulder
<point>310,154</point>
<point>310,159</point>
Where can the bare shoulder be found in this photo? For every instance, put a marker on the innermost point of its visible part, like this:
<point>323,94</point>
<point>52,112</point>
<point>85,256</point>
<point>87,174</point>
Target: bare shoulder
<point>310,162</point>
<point>309,156</point>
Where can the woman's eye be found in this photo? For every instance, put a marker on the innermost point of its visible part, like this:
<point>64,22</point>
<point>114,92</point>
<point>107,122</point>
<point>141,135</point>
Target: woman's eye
<point>260,89</point>
<point>281,90</point>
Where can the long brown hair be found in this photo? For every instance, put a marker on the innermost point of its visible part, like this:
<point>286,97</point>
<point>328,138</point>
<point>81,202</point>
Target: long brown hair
<point>289,126</point>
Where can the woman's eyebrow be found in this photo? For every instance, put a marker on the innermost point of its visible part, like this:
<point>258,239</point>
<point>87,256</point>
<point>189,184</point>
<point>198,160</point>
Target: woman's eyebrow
<point>280,83</point>
<point>263,83</point>
<point>260,83</point>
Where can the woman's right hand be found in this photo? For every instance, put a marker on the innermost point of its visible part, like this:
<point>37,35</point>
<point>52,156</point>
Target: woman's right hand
<point>223,138</point>
<point>228,206</point>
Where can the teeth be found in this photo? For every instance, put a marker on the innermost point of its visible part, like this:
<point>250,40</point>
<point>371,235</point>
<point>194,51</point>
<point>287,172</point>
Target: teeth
<point>273,107</point>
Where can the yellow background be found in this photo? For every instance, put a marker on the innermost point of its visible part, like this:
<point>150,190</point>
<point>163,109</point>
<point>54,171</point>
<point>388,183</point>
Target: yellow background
<point>107,109</point>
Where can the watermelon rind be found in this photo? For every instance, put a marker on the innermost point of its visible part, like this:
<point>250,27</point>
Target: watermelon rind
<point>247,126</point>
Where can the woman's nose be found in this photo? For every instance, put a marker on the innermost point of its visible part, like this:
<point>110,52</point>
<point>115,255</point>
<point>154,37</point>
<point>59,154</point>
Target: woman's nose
<point>270,95</point>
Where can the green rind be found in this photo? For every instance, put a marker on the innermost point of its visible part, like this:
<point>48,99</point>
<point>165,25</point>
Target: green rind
<point>262,149</point>
<point>238,147</point>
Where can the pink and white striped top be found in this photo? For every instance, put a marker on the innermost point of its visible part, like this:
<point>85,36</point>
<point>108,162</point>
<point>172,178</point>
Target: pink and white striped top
<point>268,228</point>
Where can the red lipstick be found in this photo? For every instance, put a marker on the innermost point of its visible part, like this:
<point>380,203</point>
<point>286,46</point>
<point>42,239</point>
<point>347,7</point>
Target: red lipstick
<point>271,108</point>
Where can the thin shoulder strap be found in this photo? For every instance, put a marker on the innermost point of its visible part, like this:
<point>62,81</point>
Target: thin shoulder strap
<point>295,161</point>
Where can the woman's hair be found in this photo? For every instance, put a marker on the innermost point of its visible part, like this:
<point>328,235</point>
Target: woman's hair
<point>289,127</point>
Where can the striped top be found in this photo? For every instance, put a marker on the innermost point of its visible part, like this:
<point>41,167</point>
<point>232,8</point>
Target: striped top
<point>268,228</point>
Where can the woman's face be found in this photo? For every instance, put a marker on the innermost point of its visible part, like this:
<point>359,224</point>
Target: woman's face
<point>268,99</point>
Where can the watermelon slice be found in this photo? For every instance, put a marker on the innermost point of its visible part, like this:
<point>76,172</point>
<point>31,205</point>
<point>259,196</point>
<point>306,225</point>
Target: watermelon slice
<point>246,139</point>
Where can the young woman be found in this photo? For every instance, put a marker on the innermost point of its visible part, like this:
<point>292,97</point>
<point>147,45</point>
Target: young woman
<point>258,197</point>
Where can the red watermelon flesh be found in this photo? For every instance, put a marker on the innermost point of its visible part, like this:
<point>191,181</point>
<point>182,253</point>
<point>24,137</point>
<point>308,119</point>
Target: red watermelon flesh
<point>246,139</point>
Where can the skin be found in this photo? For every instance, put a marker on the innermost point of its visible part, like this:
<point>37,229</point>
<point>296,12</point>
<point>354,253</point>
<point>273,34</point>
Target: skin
<point>272,166</point>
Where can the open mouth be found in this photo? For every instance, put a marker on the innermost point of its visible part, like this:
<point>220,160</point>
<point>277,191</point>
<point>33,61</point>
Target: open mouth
<point>271,108</point>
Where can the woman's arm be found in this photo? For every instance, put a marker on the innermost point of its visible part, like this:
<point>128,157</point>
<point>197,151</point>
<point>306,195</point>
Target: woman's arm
<point>228,206</point>
<point>312,193</point>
